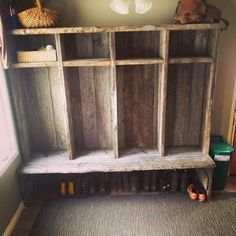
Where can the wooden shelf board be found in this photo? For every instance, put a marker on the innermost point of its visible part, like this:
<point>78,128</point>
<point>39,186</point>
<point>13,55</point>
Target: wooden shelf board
<point>88,62</point>
<point>131,28</point>
<point>130,160</point>
<point>139,61</point>
<point>34,64</point>
<point>189,60</point>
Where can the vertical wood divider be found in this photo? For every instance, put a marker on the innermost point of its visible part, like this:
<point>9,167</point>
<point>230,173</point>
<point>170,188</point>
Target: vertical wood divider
<point>114,108</point>
<point>163,76</point>
<point>66,100</point>
<point>210,89</point>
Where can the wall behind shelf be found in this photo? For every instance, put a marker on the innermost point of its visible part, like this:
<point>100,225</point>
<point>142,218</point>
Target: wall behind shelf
<point>93,12</point>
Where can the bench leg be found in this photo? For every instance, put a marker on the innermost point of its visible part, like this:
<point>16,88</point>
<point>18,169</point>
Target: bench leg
<point>209,172</point>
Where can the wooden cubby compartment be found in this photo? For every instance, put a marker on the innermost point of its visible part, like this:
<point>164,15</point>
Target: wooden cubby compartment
<point>135,45</point>
<point>186,103</point>
<point>90,108</point>
<point>85,49</point>
<point>30,43</point>
<point>190,43</point>
<point>38,102</point>
<point>137,88</point>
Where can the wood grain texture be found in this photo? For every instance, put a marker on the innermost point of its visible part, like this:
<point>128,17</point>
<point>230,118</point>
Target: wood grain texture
<point>132,160</point>
<point>163,74</point>
<point>113,95</point>
<point>135,105</point>
<point>209,92</point>
<point>68,125</point>
<point>17,91</point>
<point>184,104</point>
<point>137,45</point>
<point>189,43</point>
<point>70,30</point>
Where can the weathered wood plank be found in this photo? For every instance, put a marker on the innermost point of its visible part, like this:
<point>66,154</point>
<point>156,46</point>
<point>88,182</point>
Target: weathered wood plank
<point>71,30</point>
<point>209,92</point>
<point>103,107</point>
<point>33,65</point>
<point>190,60</point>
<point>87,62</point>
<point>20,112</point>
<point>88,106</point>
<point>133,160</point>
<point>72,76</point>
<point>184,104</point>
<point>113,95</point>
<point>68,123</point>
<point>163,76</point>
<point>139,61</point>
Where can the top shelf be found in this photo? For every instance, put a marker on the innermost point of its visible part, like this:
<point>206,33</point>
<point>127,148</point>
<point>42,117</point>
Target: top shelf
<point>71,30</point>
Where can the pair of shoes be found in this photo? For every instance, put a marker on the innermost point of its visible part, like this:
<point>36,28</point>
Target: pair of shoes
<point>70,189</point>
<point>196,192</point>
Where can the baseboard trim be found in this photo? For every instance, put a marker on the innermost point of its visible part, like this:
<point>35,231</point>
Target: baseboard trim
<point>14,220</point>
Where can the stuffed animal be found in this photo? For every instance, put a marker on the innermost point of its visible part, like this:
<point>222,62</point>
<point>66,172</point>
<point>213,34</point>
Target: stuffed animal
<point>190,11</point>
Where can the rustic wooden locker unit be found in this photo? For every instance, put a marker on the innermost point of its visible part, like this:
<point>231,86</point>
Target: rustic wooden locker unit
<point>117,99</point>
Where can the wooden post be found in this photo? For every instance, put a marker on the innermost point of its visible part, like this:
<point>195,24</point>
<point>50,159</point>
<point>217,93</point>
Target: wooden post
<point>163,76</point>
<point>114,110</point>
<point>66,98</point>
<point>210,88</point>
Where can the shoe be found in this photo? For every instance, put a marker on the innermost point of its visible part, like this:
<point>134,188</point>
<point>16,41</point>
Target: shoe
<point>71,188</point>
<point>63,189</point>
<point>192,191</point>
<point>202,195</point>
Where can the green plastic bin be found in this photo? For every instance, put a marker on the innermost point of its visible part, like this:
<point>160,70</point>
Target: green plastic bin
<point>220,151</point>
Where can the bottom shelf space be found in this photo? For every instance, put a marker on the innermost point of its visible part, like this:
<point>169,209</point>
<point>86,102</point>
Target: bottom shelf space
<point>130,160</point>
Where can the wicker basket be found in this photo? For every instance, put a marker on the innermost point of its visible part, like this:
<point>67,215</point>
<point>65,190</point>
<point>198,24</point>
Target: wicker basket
<point>36,56</point>
<point>38,17</point>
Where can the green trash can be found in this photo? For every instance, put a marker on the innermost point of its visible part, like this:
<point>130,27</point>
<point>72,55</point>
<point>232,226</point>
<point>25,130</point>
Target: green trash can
<point>220,151</point>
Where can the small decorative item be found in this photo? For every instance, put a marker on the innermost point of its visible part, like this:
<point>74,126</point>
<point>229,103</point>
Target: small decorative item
<point>38,17</point>
<point>190,11</point>
<point>44,54</point>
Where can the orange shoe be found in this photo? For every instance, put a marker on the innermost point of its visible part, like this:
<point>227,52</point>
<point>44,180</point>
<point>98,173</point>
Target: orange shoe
<point>63,189</point>
<point>192,191</point>
<point>202,195</point>
<point>71,188</point>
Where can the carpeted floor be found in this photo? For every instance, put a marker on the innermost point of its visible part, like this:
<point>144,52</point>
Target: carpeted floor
<point>162,214</point>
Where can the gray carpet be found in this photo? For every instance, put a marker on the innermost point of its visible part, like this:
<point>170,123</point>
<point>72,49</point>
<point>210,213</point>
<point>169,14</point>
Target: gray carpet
<point>163,214</point>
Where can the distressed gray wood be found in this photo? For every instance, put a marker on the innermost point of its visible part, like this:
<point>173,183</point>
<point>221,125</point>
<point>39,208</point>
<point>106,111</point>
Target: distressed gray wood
<point>163,74</point>
<point>184,104</point>
<point>209,92</point>
<point>113,95</point>
<point>70,30</point>
<point>132,160</point>
<point>65,99</point>
<point>20,112</point>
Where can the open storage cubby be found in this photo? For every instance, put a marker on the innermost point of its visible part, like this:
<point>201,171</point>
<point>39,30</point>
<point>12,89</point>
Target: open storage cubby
<point>38,98</point>
<point>118,99</point>
<point>134,45</point>
<point>31,43</point>
<point>189,43</point>
<point>185,104</point>
<point>137,106</point>
<point>89,89</point>
<point>85,49</point>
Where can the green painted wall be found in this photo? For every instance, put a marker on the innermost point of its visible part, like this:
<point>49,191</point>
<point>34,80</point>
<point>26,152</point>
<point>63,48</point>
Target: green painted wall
<point>9,195</point>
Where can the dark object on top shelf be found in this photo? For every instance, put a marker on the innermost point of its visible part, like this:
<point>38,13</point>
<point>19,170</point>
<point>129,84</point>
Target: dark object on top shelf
<point>38,17</point>
<point>214,15</point>
<point>190,11</point>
